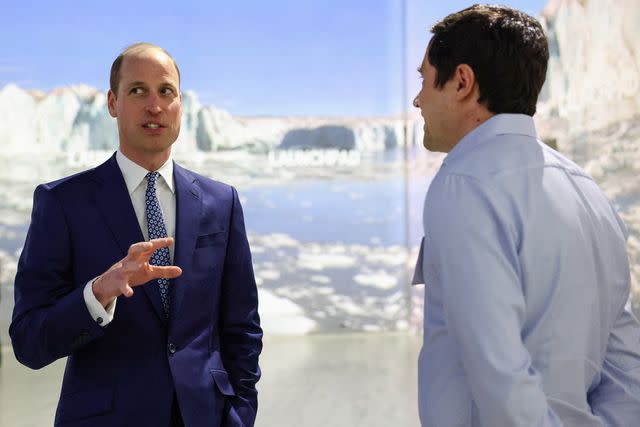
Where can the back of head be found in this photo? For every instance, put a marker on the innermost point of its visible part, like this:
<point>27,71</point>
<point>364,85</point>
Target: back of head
<point>507,50</point>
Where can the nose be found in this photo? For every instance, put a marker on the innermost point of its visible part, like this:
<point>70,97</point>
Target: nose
<point>415,102</point>
<point>153,105</point>
<point>153,109</point>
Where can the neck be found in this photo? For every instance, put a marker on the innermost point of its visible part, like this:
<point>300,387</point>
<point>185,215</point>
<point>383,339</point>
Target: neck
<point>471,121</point>
<point>151,161</point>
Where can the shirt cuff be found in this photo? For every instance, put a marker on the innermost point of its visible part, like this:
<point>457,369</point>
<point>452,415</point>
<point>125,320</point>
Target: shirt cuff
<point>101,315</point>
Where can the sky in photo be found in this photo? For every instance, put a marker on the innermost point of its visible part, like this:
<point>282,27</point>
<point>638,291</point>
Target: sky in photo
<point>281,57</point>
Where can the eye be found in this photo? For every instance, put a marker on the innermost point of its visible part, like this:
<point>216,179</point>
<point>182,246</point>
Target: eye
<point>167,91</point>
<point>136,90</point>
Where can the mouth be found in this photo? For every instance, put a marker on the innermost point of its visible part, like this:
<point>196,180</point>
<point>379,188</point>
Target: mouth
<point>152,125</point>
<point>153,129</point>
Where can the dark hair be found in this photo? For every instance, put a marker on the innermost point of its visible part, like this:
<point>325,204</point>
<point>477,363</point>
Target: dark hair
<point>506,49</point>
<point>114,77</point>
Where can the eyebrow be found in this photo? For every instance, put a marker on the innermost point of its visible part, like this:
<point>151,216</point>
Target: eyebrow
<point>141,83</point>
<point>138,83</point>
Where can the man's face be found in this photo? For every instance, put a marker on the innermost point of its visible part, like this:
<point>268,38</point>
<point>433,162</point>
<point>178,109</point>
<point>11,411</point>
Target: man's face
<point>148,105</point>
<point>435,105</point>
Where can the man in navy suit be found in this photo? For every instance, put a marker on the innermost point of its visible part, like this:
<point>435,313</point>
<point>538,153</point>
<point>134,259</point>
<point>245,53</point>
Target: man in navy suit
<point>148,343</point>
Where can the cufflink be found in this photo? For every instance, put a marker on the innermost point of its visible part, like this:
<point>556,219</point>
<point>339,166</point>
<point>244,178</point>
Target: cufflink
<point>99,320</point>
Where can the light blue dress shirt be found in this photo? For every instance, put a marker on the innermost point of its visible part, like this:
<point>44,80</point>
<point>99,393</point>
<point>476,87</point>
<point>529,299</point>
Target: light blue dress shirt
<point>527,280</point>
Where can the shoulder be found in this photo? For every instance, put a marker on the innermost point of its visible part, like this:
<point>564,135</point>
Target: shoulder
<point>68,185</point>
<point>466,201</point>
<point>77,186</point>
<point>102,172</point>
<point>453,190</point>
<point>69,181</point>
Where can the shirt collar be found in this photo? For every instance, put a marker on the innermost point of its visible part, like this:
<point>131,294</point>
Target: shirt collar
<point>134,174</point>
<point>500,124</point>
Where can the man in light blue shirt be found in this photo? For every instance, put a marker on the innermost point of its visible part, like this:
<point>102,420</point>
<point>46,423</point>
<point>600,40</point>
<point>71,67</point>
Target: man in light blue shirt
<point>524,258</point>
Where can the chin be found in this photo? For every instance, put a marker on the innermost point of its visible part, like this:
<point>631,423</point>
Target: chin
<point>428,143</point>
<point>432,146</point>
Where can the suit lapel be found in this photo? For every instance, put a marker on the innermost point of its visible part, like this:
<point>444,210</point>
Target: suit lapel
<point>188,214</point>
<point>114,203</point>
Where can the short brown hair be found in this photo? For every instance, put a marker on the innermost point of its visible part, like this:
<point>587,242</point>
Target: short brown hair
<point>114,77</point>
<point>506,49</point>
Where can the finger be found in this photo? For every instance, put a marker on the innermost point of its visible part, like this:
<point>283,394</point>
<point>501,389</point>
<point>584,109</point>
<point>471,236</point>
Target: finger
<point>139,248</point>
<point>164,272</point>
<point>161,243</point>
<point>145,249</point>
<point>133,266</point>
<point>127,291</point>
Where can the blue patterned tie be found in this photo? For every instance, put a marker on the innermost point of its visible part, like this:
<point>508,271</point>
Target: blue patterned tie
<point>157,230</point>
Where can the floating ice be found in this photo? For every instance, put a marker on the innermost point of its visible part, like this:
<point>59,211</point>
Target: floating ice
<point>281,316</point>
<point>320,279</point>
<point>390,257</point>
<point>269,274</point>
<point>277,240</point>
<point>380,280</point>
<point>347,305</point>
<point>319,262</point>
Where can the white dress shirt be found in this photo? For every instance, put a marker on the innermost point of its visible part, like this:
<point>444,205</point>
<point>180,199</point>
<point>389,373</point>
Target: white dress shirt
<point>527,280</point>
<point>135,179</point>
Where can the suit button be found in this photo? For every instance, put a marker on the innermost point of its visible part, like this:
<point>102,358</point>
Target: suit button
<point>172,348</point>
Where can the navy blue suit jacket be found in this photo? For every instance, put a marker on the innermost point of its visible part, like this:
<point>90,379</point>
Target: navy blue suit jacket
<point>126,373</point>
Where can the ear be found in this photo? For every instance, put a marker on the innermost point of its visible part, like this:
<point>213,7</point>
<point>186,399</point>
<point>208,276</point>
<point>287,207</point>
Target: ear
<point>111,103</point>
<point>465,80</point>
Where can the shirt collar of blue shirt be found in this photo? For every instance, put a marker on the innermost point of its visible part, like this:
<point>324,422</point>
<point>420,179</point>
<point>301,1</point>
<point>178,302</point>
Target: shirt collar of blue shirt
<point>500,124</point>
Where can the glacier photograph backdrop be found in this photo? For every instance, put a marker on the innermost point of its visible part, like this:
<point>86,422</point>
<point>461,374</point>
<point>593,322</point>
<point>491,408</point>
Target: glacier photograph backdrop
<point>305,107</point>
<point>324,198</point>
<point>316,131</point>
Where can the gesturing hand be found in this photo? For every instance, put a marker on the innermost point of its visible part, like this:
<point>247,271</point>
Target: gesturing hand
<point>133,270</point>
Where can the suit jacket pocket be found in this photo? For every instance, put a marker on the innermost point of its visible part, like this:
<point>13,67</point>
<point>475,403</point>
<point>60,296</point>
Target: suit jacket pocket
<point>210,239</point>
<point>221,378</point>
<point>83,404</point>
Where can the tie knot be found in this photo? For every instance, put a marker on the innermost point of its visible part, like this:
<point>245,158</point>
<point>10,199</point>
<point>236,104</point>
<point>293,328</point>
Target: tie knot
<point>151,178</point>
